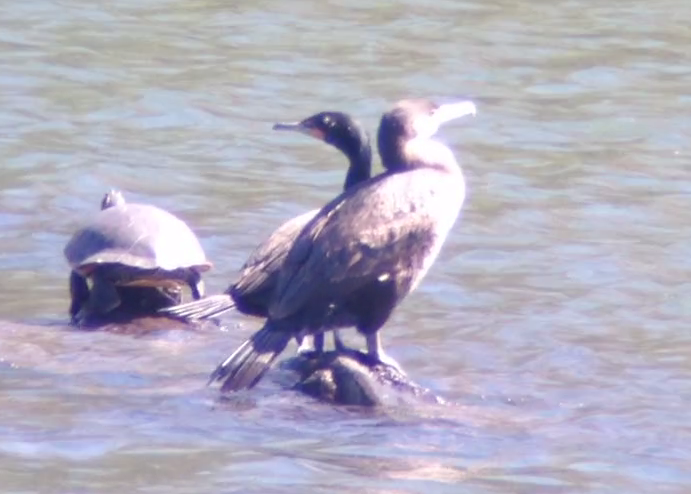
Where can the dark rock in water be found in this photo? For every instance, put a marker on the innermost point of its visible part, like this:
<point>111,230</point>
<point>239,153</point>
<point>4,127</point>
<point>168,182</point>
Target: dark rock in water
<point>352,378</point>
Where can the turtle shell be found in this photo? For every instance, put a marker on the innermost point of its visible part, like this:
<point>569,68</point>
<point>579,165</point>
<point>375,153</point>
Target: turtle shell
<point>139,236</point>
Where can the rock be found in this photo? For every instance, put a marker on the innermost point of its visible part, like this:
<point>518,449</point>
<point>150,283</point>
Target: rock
<point>352,378</point>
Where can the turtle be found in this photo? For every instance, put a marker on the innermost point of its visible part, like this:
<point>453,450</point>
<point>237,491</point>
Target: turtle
<point>131,245</point>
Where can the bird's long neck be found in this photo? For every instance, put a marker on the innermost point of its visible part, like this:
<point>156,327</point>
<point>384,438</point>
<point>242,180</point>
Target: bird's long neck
<point>392,155</point>
<point>399,155</point>
<point>360,168</point>
<point>391,141</point>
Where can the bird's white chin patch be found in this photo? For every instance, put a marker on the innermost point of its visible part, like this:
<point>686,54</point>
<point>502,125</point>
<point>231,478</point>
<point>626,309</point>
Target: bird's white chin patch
<point>425,127</point>
<point>430,152</point>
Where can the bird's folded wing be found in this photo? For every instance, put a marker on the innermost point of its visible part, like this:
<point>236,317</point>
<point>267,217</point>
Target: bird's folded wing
<point>266,260</point>
<point>332,258</point>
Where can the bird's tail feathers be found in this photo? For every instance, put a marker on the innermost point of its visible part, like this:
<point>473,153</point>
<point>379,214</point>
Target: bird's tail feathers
<point>204,308</point>
<point>248,364</point>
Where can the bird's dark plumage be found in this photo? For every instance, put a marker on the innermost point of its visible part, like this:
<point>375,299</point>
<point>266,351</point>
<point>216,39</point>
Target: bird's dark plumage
<point>251,292</point>
<point>365,250</point>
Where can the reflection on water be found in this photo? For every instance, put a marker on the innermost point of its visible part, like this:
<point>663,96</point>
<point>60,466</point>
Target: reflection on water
<point>555,320</point>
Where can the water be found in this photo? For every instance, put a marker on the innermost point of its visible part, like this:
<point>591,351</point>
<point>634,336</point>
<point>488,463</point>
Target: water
<point>556,319</point>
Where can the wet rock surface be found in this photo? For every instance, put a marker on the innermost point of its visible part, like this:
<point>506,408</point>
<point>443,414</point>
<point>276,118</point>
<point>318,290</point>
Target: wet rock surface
<point>353,378</point>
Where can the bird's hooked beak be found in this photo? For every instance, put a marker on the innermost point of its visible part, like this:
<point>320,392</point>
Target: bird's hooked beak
<point>427,126</point>
<point>451,111</point>
<point>301,127</point>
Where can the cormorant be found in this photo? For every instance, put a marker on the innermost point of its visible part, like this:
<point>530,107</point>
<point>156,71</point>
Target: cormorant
<point>251,293</point>
<point>368,248</point>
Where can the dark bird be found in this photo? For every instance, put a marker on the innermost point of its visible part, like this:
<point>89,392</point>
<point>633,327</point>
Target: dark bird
<point>363,252</point>
<point>252,291</point>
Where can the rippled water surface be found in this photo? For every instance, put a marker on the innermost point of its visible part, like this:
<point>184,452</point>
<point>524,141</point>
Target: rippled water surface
<point>556,320</point>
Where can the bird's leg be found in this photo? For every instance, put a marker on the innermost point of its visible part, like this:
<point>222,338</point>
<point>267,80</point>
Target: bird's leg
<point>306,346</point>
<point>339,346</point>
<point>319,343</point>
<point>375,351</point>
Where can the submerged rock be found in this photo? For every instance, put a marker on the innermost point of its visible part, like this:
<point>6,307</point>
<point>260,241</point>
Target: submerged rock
<point>353,378</point>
